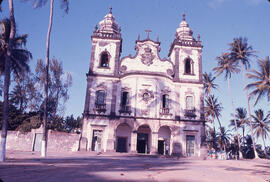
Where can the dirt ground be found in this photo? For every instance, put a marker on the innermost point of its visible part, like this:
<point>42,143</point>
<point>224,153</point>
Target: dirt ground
<point>88,167</point>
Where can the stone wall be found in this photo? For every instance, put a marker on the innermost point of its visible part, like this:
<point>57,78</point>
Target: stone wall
<point>19,141</point>
<point>62,141</point>
<point>57,141</point>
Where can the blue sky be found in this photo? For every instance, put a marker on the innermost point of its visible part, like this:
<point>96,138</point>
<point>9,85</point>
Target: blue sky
<point>217,21</point>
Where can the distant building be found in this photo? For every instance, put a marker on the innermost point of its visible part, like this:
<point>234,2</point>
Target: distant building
<point>143,103</point>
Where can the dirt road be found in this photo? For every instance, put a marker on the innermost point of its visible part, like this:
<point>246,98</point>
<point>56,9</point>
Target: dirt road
<point>88,167</point>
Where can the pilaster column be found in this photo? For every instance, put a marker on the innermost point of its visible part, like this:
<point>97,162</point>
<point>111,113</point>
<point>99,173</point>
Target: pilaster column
<point>154,146</point>
<point>133,148</point>
<point>176,70</point>
<point>114,93</point>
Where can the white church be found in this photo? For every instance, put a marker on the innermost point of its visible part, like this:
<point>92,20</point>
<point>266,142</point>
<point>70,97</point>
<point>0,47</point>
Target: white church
<point>142,103</point>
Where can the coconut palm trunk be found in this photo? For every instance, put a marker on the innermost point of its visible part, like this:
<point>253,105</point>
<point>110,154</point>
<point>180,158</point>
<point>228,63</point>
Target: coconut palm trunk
<point>7,83</point>
<point>218,121</point>
<point>249,113</point>
<point>236,128</point>
<point>45,118</point>
<point>264,146</point>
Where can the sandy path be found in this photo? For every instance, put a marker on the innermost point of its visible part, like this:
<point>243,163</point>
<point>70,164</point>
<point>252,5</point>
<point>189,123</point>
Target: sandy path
<point>85,166</point>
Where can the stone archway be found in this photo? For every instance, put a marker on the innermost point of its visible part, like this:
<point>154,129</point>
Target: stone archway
<point>164,140</point>
<point>144,139</point>
<point>123,137</point>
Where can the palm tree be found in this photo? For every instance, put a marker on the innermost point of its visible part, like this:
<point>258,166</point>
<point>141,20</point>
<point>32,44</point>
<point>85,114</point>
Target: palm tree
<point>14,58</point>
<point>213,109</point>
<point>261,85</point>
<point>223,138</point>
<point>261,125</point>
<point>241,119</point>
<point>211,138</point>
<point>65,6</point>
<point>225,64</point>
<point>208,83</point>
<point>240,51</point>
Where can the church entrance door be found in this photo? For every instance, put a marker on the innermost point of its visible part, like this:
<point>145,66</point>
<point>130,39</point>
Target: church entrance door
<point>96,140</point>
<point>144,139</point>
<point>121,144</point>
<point>161,147</point>
<point>142,143</point>
<point>190,145</point>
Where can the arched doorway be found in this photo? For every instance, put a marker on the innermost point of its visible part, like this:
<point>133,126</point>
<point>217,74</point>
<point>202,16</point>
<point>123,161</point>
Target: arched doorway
<point>144,139</point>
<point>164,137</point>
<point>123,138</point>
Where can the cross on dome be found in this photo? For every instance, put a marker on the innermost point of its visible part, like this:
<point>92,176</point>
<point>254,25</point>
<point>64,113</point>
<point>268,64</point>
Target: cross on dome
<point>183,17</point>
<point>110,10</point>
<point>148,31</point>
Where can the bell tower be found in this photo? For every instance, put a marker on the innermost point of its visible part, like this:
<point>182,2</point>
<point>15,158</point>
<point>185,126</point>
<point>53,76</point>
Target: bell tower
<point>185,53</point>
<point>106,47</point>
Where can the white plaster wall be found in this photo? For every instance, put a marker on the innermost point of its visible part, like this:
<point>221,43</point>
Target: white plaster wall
<point>136,64</point>
<point>185,52</point>
<point>105,84</point>
<point>138,84</point>
<point>191,129</point>
<point>102,45</point>
<point>190,90</point>
<point>194,54</point>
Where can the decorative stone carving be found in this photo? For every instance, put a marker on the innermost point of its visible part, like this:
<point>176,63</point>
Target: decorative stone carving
<point>147,57</point>
<point>102,86</point>
<point>123,69</point>
<point>146,95</point>
<point>170,72</point>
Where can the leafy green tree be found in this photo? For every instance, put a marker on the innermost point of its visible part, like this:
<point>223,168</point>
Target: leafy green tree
<point>58,86</point>
<point>261,85</point>
<point>14,59</point>
<point>261,125</point>
<point>71,124</point>
<point>65,6</point>
<point>241,51</point>
<point>20,95</point>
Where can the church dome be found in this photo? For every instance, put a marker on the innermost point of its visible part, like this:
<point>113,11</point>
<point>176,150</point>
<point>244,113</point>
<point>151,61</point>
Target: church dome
<point>184,32</point>
<point>109,25</point>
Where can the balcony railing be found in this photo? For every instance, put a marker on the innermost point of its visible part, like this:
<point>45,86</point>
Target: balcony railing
<point>165,111</point>
<point>100,108</point>
<point>190,113</point>
<point>125,109</point>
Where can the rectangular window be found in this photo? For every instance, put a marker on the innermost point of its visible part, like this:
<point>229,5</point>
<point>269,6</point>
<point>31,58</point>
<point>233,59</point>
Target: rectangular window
<point>165,101</point>
<point>125,99</point>
<point>189,103</point>
<point>100,97</point>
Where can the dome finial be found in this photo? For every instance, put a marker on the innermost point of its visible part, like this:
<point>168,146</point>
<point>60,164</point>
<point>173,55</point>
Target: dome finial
<point>110,10</point>
<point>183,16</point>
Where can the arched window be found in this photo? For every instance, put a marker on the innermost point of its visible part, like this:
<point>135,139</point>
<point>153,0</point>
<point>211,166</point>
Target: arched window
<point>189,103</point>
<point>104,60</point>
<point>100,97</point>
<point>188,66</point>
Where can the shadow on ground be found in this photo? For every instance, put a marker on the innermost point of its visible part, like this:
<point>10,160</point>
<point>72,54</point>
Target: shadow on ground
<point>84,169</point>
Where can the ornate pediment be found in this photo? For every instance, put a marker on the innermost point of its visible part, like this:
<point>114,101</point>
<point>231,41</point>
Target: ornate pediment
<point>147,60</point>
<point>147,57</point>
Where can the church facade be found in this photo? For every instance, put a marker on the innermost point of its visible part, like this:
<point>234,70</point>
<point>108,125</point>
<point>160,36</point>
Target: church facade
<point>142,103</point>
